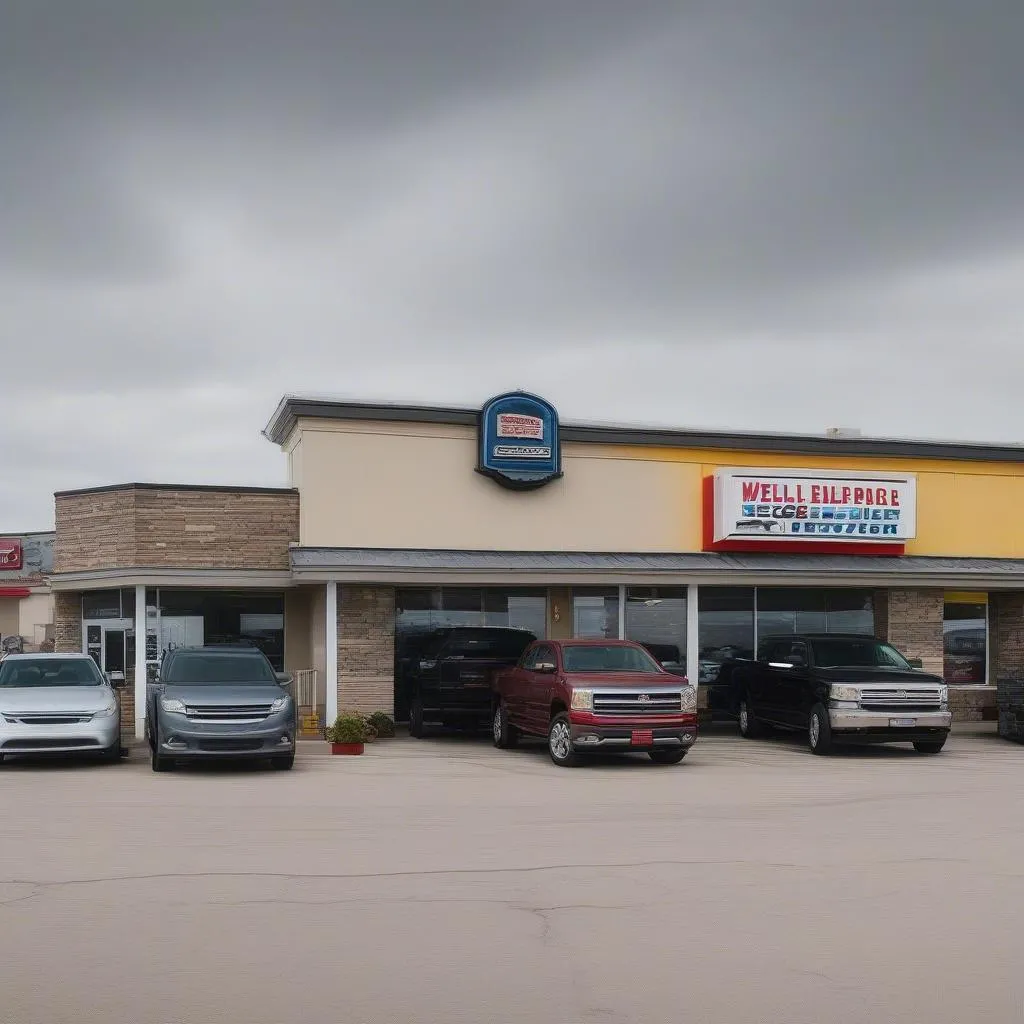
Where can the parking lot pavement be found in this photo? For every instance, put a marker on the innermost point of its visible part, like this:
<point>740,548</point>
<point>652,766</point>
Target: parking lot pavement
<point>445,881</point>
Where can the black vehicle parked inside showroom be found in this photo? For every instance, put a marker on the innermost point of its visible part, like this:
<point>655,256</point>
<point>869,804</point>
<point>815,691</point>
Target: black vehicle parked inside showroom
<point>840,688</point>
<point>219,702</point>
<point>450,681</point>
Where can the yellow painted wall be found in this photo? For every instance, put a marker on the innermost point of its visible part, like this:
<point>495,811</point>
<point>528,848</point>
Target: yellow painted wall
<point>413,485</point>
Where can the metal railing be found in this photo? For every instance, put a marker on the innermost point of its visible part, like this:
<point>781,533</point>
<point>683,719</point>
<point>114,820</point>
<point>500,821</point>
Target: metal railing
<point>311,702</point>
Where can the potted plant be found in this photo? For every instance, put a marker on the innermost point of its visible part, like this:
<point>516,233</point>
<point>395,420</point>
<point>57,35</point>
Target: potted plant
<point>348,733</point>
<point>382,724</point>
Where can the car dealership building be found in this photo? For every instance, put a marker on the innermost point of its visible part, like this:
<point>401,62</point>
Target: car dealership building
<point>398,519</point>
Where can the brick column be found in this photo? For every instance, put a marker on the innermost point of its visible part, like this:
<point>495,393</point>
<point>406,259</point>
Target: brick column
<point>366,648</point>
<point>914,624</point>
<point>1006,636</point>
<point>67,622</point>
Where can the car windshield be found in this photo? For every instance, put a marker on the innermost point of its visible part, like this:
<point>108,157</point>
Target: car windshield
<point>852,653</point>
<point>16,672</point>
<point>613,658</point>
<point>213,669</point>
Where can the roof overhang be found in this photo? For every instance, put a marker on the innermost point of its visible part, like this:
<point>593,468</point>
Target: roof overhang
<point>137,576</point>
<point>476,568</point>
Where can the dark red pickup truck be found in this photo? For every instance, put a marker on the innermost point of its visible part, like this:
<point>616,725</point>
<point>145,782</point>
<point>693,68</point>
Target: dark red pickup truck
<point>593,696</point>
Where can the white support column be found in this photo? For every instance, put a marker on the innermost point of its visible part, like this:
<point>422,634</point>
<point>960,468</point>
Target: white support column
<point>622,613</point>
<point>140,662</point>
<point>692,635</point>
<point>331,712</point>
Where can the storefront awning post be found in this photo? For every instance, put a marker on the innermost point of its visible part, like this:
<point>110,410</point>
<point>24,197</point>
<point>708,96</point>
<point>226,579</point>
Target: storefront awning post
<point>331,710</point>
<point>140,662</point>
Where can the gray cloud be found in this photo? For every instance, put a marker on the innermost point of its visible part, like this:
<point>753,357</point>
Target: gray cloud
<point>657,211</point>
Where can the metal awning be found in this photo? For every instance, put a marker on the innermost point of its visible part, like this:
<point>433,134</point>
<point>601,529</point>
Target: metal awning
<point>386,565</point>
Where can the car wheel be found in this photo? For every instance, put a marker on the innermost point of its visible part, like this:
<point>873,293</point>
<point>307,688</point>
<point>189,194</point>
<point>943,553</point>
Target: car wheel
<point>283,762</point>
<point>114,753</point>
<point>819,731</point>
<point>667,756</point>
<point>560,742</point>
<point>930,746</point>
<point>505,735</point>
<point>750,727</point>
<point>416,719</point>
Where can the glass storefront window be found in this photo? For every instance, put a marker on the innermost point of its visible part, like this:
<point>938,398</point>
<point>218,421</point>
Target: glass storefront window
<point>656,618</point>
<point>725,618</point>
<point>102,604</point>
<point>965,633</point>
<point>595,613</point>
<point>784,610</point>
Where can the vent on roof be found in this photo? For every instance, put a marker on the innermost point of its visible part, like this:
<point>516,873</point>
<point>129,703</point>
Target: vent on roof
<point>834,432</point>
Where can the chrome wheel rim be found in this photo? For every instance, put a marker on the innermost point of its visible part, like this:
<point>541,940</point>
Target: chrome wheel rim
<point>497,724</point>
<point>815,731</point>
<point>744,717</point>
<point>560,741</point>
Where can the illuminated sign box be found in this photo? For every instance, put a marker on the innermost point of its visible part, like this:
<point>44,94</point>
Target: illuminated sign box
<point>758,507</point>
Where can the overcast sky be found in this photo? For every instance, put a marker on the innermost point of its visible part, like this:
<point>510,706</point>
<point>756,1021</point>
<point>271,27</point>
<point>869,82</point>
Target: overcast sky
<point>758,214</point>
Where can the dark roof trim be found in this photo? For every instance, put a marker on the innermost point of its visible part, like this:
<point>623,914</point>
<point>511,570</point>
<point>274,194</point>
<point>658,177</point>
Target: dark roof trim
<point>290,409</point>
<point>221,488</point>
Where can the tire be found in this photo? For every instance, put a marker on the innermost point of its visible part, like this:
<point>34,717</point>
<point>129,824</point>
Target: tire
<point>750,726</point>
<point>283,762</point>
<point>113,754</point>
<point>505,736</point>
<point>560,742</point>
<point>416,719</point>
<point>819,731</point>
<point>667,756</point>
<point>930,746</point>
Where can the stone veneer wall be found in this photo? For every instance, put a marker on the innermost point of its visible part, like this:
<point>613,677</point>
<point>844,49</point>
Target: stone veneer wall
<point>1006,635</point>
<point>67,622</point>
<point>366,648</point>
<point>175,527</point>
<point>914,625</point>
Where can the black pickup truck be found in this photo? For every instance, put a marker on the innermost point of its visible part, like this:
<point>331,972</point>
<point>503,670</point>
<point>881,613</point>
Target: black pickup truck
<point>450,683</point>
<point>840,688</point>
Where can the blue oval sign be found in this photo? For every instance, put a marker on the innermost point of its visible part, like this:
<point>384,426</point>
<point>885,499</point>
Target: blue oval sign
<point>519,442</point>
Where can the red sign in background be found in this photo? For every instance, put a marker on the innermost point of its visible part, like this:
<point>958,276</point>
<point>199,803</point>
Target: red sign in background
<point>10,555</point>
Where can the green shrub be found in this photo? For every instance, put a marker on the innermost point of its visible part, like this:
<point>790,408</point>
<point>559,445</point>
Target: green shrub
<point>382,723</point>
<point>348,727</point>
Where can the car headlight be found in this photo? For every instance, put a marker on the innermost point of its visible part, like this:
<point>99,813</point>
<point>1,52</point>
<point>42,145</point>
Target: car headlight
<point>840,692</point>
<point>688,699</point>
<point>582,700</point>
<point>106,712</point>
<point>279,705</point>
<point>173,705</point>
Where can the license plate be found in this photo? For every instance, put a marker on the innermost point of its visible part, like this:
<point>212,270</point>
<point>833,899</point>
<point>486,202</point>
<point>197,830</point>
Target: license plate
<point>642,738</point>
<point>902,723</point>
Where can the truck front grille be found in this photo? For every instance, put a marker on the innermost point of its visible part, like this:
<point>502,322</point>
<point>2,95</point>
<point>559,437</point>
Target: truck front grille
<point>895,699</point>
<point>629,702</point>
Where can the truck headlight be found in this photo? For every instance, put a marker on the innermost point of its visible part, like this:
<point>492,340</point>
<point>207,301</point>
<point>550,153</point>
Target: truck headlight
<point>173,705</point>
<point>582,700</point>
<point>943,694</point>
<point>688,699</point>
<point>841,692</point>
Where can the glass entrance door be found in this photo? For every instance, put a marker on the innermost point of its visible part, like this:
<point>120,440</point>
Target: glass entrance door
<point>111,646</point>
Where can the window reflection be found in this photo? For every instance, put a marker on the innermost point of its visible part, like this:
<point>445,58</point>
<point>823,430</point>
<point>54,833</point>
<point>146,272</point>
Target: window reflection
<point>782,610</point>
<point>595,613</point>
<point>965,628</point>
<point>656,618</point>
<point>725,617</point>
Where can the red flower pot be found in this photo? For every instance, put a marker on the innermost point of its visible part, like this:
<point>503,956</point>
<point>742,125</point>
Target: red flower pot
<point>346,748</point>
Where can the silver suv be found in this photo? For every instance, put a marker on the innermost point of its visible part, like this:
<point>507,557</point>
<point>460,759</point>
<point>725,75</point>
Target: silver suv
<point>57,704</point>
<point>220,702</point>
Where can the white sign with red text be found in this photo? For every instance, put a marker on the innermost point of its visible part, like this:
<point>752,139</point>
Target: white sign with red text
<point>514,424</point>
<point>805,505</point>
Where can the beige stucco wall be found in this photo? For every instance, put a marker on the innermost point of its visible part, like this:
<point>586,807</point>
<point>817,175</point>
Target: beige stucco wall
<point>9,616</point>
<point>35,613</point>
<point>413,485</point>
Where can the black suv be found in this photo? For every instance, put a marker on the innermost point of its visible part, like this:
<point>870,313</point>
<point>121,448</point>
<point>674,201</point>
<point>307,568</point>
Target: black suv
<point>450,683</point>
<point>219,702</point>
<point>840,688</point>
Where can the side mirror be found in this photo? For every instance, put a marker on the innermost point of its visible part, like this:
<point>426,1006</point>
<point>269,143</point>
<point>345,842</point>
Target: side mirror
<point>798,661</point>
<point>545,666</point>
<point>284,678</point>
<point>915,662</point>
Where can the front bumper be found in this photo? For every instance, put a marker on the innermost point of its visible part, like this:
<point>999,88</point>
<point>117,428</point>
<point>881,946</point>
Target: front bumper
<point>182,738</point>
<point>608,732</point>
<point>877,726</point>
<point>95,735</point>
